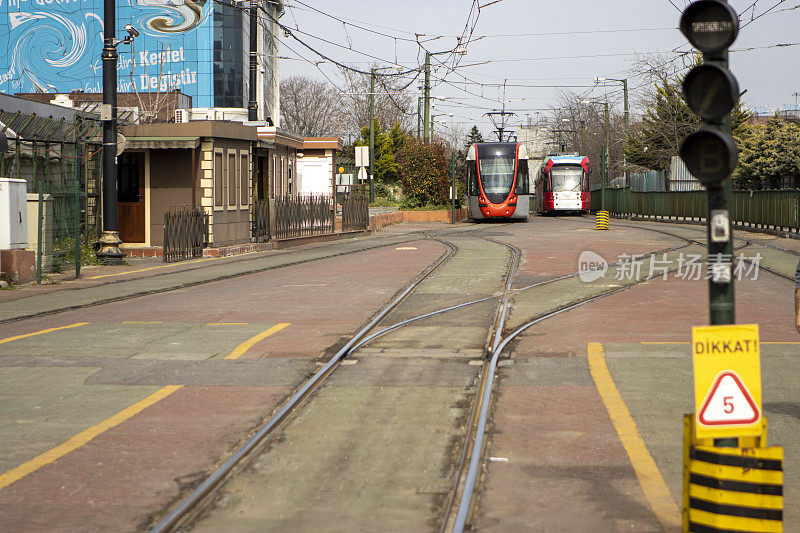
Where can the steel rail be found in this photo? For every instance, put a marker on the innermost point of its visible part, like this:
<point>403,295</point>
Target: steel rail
<point>472,422</point>
<point>748,242</point>
<point>175,517</point>
<point>465,503</point>
<point>388,329</point>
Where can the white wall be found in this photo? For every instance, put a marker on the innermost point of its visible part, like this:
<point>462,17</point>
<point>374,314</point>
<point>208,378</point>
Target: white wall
<point>314,175</point>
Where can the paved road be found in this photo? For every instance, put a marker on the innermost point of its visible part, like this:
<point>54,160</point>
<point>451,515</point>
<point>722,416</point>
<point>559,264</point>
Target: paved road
<point>114,411</point>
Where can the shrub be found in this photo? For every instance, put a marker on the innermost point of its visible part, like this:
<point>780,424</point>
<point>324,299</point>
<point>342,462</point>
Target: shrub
<point>424,173</point>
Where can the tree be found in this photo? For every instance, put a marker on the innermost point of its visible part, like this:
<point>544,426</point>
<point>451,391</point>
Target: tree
<point>769,156</point>
<point>424,174</point>
<point>392,105</point>
<point>387,144</point>
<point>309,107</point>
<point>580,126</point>
<point>474,136</point>
<point>666,122</point>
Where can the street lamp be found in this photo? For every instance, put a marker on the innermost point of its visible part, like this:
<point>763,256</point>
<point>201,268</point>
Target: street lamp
<point>109,239</point>
<point>605,158</point>
<point>624,82</point>
<point>432,122</point>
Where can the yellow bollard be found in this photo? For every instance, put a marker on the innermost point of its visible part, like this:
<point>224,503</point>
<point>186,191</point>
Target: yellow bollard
<point>602,220</point>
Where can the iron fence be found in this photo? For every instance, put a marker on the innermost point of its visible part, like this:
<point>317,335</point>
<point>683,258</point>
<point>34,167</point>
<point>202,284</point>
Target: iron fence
<point>296,216</point>
<point>260,230</point>
<point>355,210</point>
<point>773,210</point>
<point>185,233</point>
<point>65,176</point>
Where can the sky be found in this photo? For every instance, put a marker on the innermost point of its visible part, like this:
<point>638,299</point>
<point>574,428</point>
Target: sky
<point>537,48</point>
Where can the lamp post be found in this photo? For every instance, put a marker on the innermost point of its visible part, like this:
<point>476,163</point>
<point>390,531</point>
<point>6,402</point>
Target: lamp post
<point>109,239</point>
<point>626,112</point>
<point>605,157</point>
<point>432,123</point>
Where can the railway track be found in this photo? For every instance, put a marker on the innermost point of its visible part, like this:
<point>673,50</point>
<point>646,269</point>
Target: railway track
<point>748,242</point>
<point>195,502</point>
<point>460,502</point>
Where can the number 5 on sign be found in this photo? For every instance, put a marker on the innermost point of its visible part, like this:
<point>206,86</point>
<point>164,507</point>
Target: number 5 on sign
<point>727,381</point>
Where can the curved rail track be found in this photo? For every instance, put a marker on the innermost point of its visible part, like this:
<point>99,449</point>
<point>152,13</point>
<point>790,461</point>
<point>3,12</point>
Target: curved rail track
<point>458,509</point>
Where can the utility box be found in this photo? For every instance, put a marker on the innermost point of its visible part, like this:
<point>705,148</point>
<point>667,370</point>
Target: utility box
<point>13,214</point>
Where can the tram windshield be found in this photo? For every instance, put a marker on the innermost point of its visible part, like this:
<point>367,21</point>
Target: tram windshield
<point>497,173</point>
<point>566,178</point>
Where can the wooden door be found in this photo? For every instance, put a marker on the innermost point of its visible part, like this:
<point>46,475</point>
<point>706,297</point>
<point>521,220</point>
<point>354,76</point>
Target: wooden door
<point>130,197</point>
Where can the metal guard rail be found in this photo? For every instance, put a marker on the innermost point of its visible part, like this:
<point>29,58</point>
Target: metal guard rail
<point>773,210</point>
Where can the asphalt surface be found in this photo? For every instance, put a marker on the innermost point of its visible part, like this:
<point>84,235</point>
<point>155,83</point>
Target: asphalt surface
<point>123,392</point>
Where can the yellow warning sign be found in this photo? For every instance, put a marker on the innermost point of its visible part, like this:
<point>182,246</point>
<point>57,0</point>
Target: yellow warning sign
<point>727,381</point>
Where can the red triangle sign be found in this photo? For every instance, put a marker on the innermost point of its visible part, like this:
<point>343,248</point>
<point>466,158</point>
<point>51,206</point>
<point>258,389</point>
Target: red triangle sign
<point>728,402</point>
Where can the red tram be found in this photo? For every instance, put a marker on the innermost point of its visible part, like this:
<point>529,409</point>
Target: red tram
<point>563,184</point>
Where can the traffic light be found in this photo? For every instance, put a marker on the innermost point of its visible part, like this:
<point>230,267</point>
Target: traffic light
<point>711,91</point>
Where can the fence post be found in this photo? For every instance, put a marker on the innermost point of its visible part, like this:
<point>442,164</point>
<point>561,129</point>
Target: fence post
<point>76,207</point>
<point>39,239</point>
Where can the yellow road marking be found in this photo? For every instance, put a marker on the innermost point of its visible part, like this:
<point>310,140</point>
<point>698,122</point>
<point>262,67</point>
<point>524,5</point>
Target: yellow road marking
<point>165,266</point>
<point>28,467</point>
<point>152,268</point>
<point>655,489</point>
<point>142,322</point>
<point>9,339</point>
<point>226,324</point>
<point>246,345</point>
<point>763,342</point>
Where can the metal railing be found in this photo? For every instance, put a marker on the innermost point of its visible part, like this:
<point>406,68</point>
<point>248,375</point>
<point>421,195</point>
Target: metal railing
<point>296,216</point>
<point>773,210</point>
<point>185,233</point>
<point>260,229</point>
<point>355,210</point>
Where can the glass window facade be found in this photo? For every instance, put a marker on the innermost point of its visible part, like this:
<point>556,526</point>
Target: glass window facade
<point>200,47</point>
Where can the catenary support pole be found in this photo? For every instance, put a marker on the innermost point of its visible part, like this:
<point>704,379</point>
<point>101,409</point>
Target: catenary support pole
<point>372,135</point>
<point>427,97</point>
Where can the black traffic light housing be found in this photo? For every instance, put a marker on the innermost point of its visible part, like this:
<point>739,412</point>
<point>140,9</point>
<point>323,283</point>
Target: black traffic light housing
<point>711,91</point>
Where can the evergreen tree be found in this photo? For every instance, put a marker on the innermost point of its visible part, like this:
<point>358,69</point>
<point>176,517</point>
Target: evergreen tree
<point>475,136</point>
<point>667,121</point>
<point>769,156</point>
<point>387,144</point>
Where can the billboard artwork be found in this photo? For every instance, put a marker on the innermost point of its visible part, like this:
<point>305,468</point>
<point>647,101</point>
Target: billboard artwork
<point>55,45</point>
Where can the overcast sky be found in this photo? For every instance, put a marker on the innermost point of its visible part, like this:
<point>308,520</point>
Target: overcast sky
<point>567,43</point>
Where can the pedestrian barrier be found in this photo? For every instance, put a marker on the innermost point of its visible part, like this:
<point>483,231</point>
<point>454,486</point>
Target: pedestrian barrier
<point>185,233</point>
<point>260,230</point>
<point>772,210</point>
<point>355,210</point>
<point>602,220</point>
<point>296,216</point>
<point>731,489</point>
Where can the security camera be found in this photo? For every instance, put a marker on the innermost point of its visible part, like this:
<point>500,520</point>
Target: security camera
<point>133,32</point>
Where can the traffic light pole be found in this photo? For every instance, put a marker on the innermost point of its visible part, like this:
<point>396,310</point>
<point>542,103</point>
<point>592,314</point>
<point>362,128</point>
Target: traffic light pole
<point>721,295</point>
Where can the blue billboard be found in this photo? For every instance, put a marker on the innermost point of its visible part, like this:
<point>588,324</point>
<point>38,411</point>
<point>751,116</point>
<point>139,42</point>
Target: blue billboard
<point>55,45</point>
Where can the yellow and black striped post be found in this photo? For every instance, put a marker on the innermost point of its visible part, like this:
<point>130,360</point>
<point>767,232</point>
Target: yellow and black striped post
<point>602,220</point>
<point>731,489</point>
